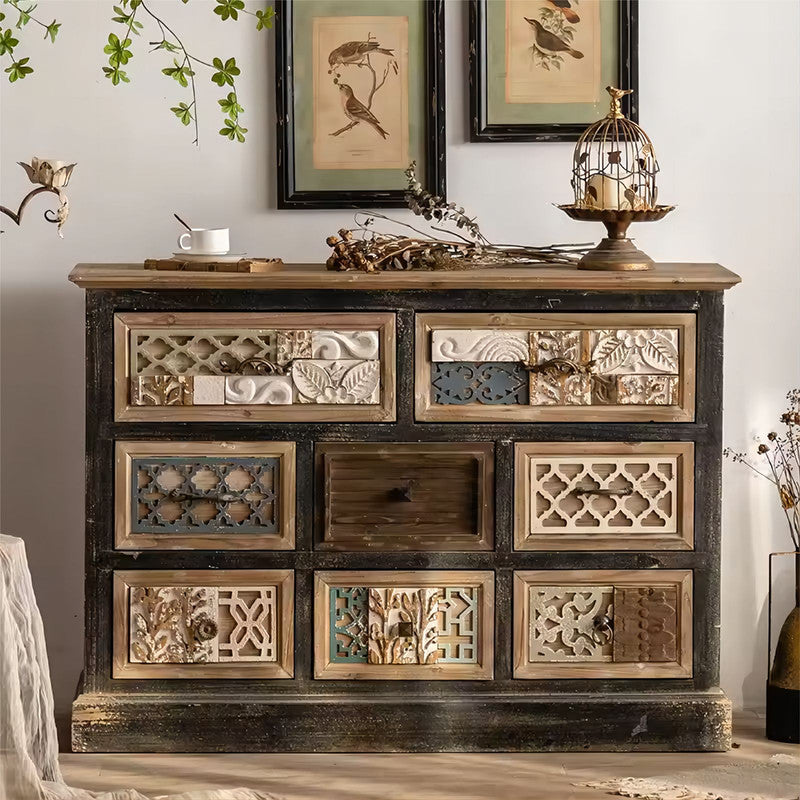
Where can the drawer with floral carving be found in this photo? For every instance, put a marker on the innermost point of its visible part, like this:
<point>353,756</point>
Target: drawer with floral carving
<point>574,367</point>
<point>604,496</point>
<point>603,624</point>
<point>205,495</point>
<point>191,366</point>
<point>404,625</point>
<point>203,624</point>
<point>405,496</point>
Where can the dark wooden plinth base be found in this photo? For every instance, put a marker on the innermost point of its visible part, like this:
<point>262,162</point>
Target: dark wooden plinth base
<point>401,722</point>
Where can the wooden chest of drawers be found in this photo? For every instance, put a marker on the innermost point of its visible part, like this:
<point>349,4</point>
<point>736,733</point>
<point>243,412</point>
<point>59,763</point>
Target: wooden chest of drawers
<point>420,511</point>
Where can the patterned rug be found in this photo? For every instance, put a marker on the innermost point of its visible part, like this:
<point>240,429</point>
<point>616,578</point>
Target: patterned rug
<point>777,779</point>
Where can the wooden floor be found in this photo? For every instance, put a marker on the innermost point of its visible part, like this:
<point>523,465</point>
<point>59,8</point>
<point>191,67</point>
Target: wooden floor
<point>549,776</point>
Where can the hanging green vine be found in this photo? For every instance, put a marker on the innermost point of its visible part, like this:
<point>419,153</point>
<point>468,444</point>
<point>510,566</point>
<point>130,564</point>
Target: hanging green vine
<point>132,15</point>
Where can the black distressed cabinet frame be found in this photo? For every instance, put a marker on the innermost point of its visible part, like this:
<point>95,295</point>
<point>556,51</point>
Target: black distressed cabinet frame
<point>302,714</point>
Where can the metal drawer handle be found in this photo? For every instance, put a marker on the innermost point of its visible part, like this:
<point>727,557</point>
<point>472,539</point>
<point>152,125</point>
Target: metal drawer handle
<point>565,366</point>
<point>603,630</point>
<point>402,493</point>
<point>204,629</point>
<point>604,492</point>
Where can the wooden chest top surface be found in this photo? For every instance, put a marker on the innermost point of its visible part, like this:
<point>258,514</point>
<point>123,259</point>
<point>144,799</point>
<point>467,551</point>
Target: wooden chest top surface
<point>663,277</point>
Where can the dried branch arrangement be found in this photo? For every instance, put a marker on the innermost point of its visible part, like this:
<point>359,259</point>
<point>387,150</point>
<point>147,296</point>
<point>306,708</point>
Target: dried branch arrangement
<point>464,245</point>
<point>781,464</point>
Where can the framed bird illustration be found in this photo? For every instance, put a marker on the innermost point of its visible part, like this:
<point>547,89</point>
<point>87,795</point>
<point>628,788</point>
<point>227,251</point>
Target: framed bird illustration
<point>539,68</point>
<point>360,95</point>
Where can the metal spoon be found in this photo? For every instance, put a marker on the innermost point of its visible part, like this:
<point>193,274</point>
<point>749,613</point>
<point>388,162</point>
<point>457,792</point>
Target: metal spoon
<point>185,225</point>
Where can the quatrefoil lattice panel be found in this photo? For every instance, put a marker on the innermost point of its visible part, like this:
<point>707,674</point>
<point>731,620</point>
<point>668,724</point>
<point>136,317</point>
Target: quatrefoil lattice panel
<point>196,495</point>
<point>203,623</point>
<point>612,496</point>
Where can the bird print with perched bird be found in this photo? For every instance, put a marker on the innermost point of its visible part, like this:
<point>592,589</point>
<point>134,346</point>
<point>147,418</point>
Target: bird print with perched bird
<point>564,7</point>
<point>356,111</point>
<point>548,42</point>
<point>356,53</point>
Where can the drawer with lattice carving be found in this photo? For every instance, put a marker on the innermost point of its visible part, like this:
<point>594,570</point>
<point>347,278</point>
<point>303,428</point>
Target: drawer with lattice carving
<point>603,624</point>
<point>579,367</point>
<point>604,496</point>
<point>255,367</point>
<point>203,624</point>
<point>404,625</point>
<point>205,495</point>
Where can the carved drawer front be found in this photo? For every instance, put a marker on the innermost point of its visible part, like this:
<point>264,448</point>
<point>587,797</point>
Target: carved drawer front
<point>404,625</point>
<point>603,624</point>
<point>604,496</point>
<point>203,624</point>
<point>255,367</point>
<point>205,495</point>
<point>420,496</point>
<point>592,367</point>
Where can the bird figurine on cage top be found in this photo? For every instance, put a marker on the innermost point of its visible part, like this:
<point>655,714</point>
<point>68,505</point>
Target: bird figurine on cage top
<point>614,171</point>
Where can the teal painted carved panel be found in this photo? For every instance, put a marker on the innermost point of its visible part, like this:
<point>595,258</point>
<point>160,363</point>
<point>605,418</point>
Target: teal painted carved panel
<point>349,633</point>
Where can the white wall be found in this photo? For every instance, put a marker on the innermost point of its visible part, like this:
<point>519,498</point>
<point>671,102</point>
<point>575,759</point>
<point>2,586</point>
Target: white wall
<point>719,95</point>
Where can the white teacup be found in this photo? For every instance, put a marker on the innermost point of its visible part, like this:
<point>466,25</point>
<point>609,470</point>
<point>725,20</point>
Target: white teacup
<point>205,241</point>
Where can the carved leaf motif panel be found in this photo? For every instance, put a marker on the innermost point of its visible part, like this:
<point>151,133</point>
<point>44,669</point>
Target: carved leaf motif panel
<point>202,624</point>
<point>173,625</point>
<point>210,494</point>
<point>349,624</point>
<point>456,634</point>
<point>498,383</point>
<point>565,623</point>
<point>619,366</point>
<point>248,366</point>
<point>403,626</point>
<point>633,494</point>
<point>646,623</point>
<point>338,382</point>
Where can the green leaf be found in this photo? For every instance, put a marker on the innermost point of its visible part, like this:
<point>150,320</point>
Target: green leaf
<point>115,75</point>
<point>230,105</point>
<point>52,30</point>
<point>264,18</point>
<point>232,130</point>
<point>24,17</point>
<point>229,9</point>
<point>18,70</point>
<point>225,72</point>
<point>180,72</point>
<point>117,50</point>
<point>168,46</point>
<point>183,113</point>
<point>7,42</point>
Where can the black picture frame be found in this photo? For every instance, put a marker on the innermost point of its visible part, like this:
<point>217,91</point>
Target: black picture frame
<point>482,131</point>
<point>434,178</point>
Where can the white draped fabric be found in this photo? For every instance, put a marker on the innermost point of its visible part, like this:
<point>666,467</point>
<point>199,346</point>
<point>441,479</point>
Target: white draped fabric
<point>28,745</point>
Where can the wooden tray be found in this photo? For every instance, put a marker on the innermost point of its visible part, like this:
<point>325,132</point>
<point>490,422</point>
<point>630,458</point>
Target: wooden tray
<point>242,265</point>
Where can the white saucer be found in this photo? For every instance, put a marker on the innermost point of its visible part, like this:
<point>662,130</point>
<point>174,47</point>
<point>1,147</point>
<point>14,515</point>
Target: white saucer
<point>186,256</point>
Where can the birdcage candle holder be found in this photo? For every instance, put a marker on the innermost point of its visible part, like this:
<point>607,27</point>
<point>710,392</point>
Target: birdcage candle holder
<point>614,173</point>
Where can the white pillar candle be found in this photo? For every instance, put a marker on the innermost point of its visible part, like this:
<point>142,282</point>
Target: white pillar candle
<point>607,193</point>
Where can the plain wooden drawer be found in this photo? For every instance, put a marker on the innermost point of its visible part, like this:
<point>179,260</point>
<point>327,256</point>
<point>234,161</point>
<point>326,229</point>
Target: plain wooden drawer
<point>583,367</point>
<point>404,625</point>
<point>416,496</point>
<point>604,496</point>
<point>603,624</point>
<point>293,367</point>
<point>203,624</point>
